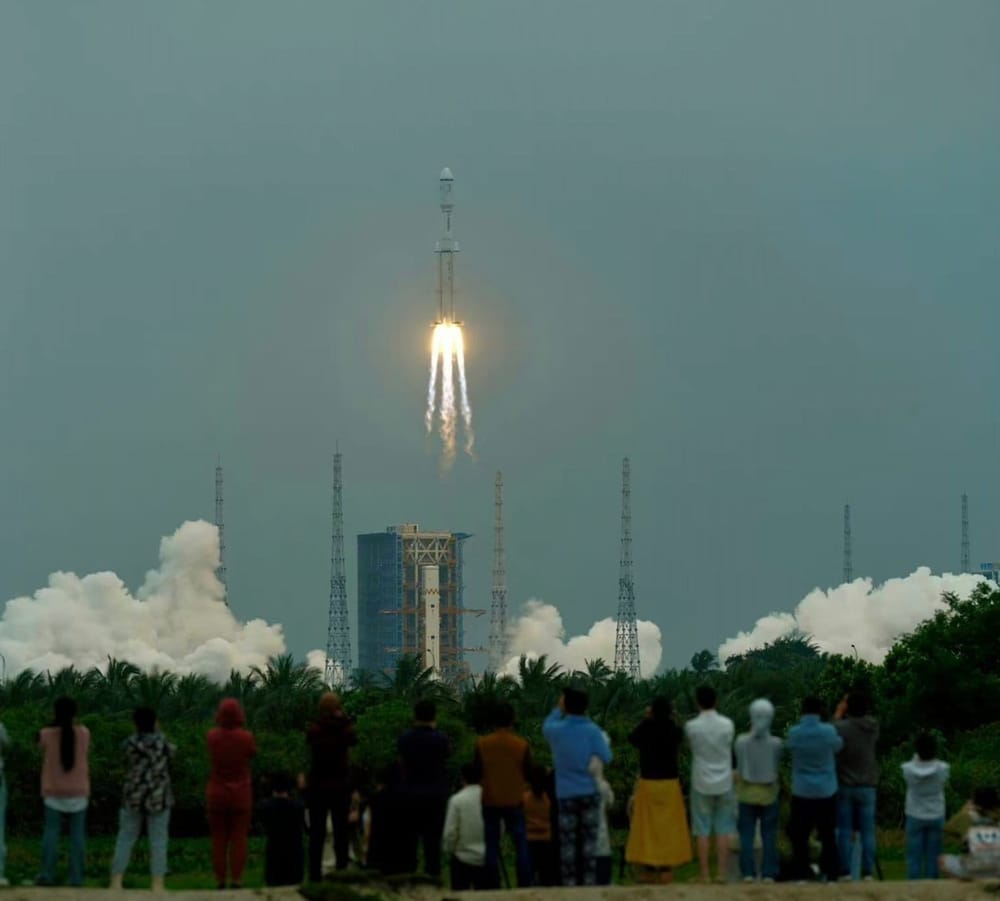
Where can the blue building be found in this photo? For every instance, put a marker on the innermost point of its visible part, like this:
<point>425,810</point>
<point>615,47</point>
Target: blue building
<point>410,599</point>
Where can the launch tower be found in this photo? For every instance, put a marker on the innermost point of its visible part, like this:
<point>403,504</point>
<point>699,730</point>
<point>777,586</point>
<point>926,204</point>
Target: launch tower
<point>627,627</point>
<point>498,600</point>
<point>338,634</point>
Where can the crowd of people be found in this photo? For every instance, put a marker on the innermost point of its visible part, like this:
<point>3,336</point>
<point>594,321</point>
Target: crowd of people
<point>557,819</point>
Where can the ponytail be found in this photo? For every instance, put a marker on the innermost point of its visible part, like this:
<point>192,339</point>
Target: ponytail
<point>65,710</point>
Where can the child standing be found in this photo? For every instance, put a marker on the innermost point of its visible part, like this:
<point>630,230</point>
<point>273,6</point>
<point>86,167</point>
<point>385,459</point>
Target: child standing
<point>282,817</point>
<point>538,823</point>
<point>925,778</point>
<point>464,839</point>
<point>603,849</point>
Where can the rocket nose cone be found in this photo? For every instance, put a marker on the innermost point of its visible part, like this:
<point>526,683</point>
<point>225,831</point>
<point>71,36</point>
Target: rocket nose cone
<point>446,174</point>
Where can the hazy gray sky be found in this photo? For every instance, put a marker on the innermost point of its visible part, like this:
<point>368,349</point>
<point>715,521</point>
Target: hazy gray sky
<point>753,245</point>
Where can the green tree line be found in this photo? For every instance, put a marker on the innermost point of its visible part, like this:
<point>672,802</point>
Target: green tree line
<point>943,677</point>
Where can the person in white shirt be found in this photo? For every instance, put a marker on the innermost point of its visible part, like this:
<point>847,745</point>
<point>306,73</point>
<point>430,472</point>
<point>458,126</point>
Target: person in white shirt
<point>464,838</point>
<point>603,850</point>
<point>713,804</point>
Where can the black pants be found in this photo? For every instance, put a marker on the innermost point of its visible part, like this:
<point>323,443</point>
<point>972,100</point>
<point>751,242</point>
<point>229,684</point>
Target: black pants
<point>543,863</point>
<point>338,804</point>
<point>465,876</point>
<point>424,825</point>
<point>806,815</point>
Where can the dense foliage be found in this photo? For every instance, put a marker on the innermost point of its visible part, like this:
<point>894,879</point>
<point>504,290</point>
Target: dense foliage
<point>945,676</point>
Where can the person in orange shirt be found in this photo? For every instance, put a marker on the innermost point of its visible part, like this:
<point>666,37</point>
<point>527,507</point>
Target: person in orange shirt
<point>538,822</point>
<point>503,761</point>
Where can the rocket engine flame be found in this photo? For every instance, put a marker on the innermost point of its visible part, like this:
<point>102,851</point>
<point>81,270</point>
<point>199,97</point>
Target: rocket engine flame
<point>448,368</point>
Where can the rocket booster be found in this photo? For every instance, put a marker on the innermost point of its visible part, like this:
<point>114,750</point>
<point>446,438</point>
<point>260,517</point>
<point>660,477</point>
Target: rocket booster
<point>446,248</point>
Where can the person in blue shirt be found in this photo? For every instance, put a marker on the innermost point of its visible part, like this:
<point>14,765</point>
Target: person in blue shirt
<point>813,745</point>
<point>575,739</point>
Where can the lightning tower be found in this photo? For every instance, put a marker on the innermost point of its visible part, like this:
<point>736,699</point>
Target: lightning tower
<point>848,557</point>
<point>498,602</point>
<point>627,628</point>
<point>221,526</point>
<point>338,634</point>
<point>966,556</point>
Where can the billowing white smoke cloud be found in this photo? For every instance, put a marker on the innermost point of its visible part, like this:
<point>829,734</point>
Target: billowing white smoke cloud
<point>539,630</point>
<point>858,615</point>
<point>177,621</point>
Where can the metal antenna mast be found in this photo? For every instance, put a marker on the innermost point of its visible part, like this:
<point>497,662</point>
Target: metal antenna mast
<point>498,602</point>
<point>338,635</point>
<point>627,629</point>
<point>220,524</point>
<point>966,556</point>
<point>848,558</point>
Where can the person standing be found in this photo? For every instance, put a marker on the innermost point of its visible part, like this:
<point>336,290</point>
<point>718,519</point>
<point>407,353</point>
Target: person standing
<point>4,743</point>
<point>423,754</point>
<point>857,779</point>
<point>538,825</point>
<point>658,836</point>
<point>813,745</point>
<point>65,790</point>
<point>229,793</point>
<point>328,785</point>
<point>146,796</point>
<point>283,817</point>
<point>758,755</point>
<point>712,801</point>
<point>925,778</point>
<point>503,760</point>
<point>574,740</point>
<point>602,848</point>
<point>464,838</point>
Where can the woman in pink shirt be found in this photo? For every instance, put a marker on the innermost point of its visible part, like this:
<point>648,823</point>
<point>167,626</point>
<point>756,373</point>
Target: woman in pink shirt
<point>65,790</point>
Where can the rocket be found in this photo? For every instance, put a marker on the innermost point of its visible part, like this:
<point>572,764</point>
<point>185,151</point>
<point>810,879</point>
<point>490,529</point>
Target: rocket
<point>446,248</point>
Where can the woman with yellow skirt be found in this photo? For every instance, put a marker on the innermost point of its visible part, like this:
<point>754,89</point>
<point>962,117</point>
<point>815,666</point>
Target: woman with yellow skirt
<point>658,838</point>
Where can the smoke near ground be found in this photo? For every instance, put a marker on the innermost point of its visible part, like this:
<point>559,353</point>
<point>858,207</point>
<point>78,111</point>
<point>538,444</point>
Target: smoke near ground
<point>539,631</point>
<point>176,621</point>
<point>858,615</point>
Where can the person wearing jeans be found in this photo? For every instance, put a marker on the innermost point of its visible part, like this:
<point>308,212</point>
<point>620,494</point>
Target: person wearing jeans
<point>503,762</point>
<point>925,778</point>
<point>758,754</point>
<point>65,749</point>
<point>857,777</point>
<point>146,796</point>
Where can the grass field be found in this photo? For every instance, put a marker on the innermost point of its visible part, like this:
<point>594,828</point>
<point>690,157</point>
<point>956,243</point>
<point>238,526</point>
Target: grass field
<point>191,867</point>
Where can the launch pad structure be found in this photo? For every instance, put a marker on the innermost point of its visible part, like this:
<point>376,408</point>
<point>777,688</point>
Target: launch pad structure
<point>410,600</point>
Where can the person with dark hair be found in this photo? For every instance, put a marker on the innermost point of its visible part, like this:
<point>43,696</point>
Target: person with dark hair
<point>229,793</point>
<point>423,755</point>
<point>977,826</point>
<point>4,743</point>
<point>282,816</point>
<point>503,760</point>
<point>713,804</point>
<point>658,836</point>
<point>538,826</point>
<point>65,789</point>
<point>857,779</point>
<point>328,784</point>
<point>758,756</point>
<point>146,796</point>
<point>574,740</point>
<point>925,778</point>
<point>386,832</point>
<point>813,745</point>
<point>464,837</point>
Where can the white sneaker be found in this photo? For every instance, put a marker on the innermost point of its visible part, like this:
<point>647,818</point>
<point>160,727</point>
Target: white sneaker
<point>748,879</point>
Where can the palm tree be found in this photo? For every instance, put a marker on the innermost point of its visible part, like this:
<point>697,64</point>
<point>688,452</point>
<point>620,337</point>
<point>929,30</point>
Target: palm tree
<point>286,692</point>
<point>193,698</point>
<point>27,687</point>
<point>481,698</point>
<point>540,684</point>
<point>153,690</point>
<point>411,681</point>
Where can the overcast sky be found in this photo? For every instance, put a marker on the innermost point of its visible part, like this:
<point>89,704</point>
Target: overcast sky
<point>753,245</point>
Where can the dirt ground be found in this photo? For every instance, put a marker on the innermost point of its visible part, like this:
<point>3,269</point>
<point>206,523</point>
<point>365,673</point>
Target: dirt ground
<point>873,891</point>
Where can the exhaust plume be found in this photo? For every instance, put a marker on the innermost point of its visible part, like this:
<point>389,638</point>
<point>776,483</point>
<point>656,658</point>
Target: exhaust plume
<point>176,621</point>
<point>857,615</point>
<point>539,631</point>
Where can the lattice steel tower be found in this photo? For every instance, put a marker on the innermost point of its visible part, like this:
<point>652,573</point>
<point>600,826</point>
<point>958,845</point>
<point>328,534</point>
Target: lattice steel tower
<point>848,556</point>
<point>966,556</point>
<point>498,601</point>
<point>338,635</point>
<point>220,524</point>
<point>627,629</point>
